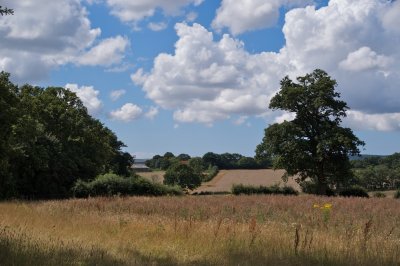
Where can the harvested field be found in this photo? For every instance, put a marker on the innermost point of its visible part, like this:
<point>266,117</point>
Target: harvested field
<point>226,178</point>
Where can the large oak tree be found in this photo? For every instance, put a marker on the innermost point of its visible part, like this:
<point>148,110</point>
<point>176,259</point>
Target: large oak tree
<point>313,145</point>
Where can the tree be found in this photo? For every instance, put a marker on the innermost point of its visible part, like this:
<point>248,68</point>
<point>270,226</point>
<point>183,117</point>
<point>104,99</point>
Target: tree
<point>48,141</point>
<point>6,11</point>
<point>197,164</point>
<point>182,175</point>
<point>247,163</point>
<point>313,145</point>
<point>183,157</point>
<point>8,113</point>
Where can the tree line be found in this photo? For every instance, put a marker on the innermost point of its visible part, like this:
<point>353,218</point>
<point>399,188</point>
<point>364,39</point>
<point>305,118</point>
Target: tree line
<point>378,172</point>
<point>210,159</point>
<point>48,141</point>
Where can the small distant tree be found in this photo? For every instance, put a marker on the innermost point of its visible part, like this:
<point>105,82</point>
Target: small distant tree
<point>312,145</point>
<point>197,164</point>
<point>183,176</point>
<point>247,163</point>
<point>183,157</point>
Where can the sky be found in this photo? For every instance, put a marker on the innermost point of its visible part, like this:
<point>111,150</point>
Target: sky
<point>193,76</point>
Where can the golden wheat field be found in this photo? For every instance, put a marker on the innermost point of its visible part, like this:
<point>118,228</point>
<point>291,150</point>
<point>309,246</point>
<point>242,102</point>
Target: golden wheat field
<point>201,230</point>
<point>226,178</point>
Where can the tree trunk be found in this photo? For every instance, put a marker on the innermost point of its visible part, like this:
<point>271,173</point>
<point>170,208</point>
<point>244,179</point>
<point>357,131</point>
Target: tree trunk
<point>322,184</point>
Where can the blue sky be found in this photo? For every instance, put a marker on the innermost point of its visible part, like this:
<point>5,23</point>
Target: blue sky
<point>192,76</point>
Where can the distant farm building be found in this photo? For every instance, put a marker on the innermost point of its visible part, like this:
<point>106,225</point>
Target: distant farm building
<point>140,166</point>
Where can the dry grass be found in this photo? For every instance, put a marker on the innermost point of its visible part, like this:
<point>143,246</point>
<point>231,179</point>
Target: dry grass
<point>210,230</point>
<point>156,176</point>
<point>226,178</point>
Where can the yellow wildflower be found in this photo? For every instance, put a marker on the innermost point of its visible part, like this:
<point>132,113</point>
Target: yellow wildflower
<point>316,205</point>
<point>327,206</point>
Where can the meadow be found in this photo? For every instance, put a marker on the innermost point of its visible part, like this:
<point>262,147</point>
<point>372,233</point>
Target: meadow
<point>201,230</point>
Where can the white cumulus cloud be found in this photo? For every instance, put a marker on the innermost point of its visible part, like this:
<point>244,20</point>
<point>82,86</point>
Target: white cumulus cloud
<point>88,96</point>
<point>38,39</point>
<point>108,52</point>
<point>132,12</point>
<point>206,80</point>
<point>127,113</point>
<point>243,15</point>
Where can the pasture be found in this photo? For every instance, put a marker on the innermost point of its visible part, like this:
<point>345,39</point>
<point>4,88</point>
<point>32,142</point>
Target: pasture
<point>201,230</point>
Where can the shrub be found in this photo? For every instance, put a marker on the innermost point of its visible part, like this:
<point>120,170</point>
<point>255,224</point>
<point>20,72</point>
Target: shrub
<point>397,194</point>
<point>111,184</point>
<point>379,195</point>
<point>183,176</point>
<point>310,187</point>
<point>275,189</point>
<point>211,173</point>
<point>354,191</point>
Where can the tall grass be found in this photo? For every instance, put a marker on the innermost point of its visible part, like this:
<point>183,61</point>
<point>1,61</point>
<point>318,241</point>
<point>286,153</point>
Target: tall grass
<point>208,230</point>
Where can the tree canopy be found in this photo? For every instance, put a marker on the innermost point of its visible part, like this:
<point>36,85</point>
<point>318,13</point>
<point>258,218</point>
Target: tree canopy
<point>183,176</point>
<point>313,145</point>
<point>48,141</point>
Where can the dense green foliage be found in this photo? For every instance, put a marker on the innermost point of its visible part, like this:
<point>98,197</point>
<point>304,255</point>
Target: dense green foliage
<point>233,161</point>
<point>354,191</point>
<point>312,145</point>
<point>309,187</point>
<point>210,159</point>
<point>48,141</point>
<point>111,185</point>
<point>249,190</point>
<point>162,162</point>
<point>183,176</point>
<point>378,173</point>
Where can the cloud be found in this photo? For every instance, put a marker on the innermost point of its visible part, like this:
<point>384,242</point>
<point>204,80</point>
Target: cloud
<point>115,95</point>
<point>132,12</point>
<point>206,80</point>
<point>88,96</point>
<point>379,122</point>
<point>108,52</point>
<point>364,59</point>
<point>241,120</point>
<point>152,113</point>
<point>36,40</point>
<point>242,16</point>
<point>157,26</point>
<point>191,16</point>
<point>127,113</point>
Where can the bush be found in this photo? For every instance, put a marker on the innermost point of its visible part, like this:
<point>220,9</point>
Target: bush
<point>111,184</point>
<point>211,173</point>
<point>397,194</point>
<point>354,191</point>
<point>310,187</point>
<point>379,195</point>
<point>275,189</point>
<point>183,176</point>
